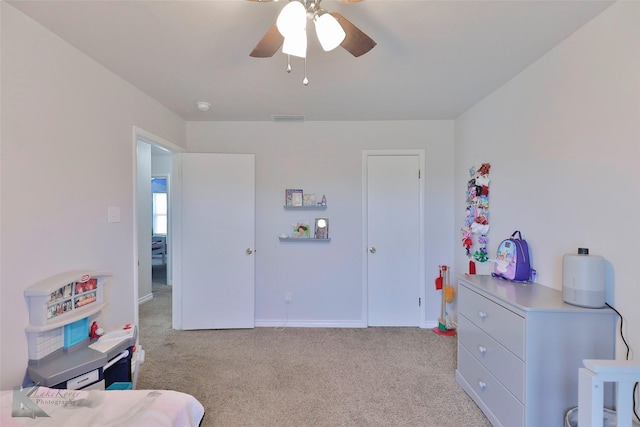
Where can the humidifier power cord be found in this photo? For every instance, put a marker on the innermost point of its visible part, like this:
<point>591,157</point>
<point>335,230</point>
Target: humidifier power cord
<point>621,330</point>
<point>635,387</point>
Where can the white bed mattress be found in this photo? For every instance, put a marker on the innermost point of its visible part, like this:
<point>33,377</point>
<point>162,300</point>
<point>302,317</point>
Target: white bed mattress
<point>102,408</point>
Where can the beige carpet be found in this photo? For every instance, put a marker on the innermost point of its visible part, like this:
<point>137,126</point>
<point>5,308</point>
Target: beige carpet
<point>306,376</point>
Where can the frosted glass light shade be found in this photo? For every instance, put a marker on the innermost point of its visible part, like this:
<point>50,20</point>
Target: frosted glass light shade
<point>292,24</point>
<point>292,18</point>
<point>329,31</point>
<point>296,44</point>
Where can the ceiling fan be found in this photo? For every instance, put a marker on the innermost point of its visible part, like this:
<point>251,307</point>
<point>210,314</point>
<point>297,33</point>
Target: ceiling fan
<point>332,28</point>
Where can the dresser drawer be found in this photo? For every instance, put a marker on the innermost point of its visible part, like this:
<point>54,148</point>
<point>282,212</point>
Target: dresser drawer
<point>504,406</point>
<point>503,364</point>
<point>503,325</point>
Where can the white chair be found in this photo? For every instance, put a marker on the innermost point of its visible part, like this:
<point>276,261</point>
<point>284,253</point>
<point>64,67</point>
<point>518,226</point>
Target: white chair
<point>591,381</point>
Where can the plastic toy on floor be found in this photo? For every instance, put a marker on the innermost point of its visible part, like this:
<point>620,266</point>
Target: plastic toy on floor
<point>443,284</point>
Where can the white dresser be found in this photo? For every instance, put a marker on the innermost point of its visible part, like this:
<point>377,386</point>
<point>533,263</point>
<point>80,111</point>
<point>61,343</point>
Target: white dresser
<point>520,347</point>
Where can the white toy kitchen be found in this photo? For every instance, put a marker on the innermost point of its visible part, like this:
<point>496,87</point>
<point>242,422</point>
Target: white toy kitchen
<point>67,348</point>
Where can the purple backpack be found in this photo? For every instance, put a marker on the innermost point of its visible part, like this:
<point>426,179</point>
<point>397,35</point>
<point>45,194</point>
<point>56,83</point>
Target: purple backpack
<point>512,260</point>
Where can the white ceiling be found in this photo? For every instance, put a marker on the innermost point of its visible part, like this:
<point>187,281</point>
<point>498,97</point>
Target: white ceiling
<point>433,60</point>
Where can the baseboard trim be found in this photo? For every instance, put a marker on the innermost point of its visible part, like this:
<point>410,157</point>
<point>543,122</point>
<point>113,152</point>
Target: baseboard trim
<point>309,324</point>
<point>145,298</point>
<point>262,323</point>
<point>431,324</point>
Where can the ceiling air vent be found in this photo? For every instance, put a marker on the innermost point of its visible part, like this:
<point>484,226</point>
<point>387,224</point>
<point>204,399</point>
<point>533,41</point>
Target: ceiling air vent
<point>287,118</point>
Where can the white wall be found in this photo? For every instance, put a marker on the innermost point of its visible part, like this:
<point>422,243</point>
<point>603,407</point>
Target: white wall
<point>563,140</point>
<point>326,158</point>
<point>67,155</point>
<point>160,164</point>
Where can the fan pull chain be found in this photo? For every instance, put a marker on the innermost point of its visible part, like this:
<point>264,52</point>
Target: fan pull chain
<point>288,63</point>
<point>305,81</point>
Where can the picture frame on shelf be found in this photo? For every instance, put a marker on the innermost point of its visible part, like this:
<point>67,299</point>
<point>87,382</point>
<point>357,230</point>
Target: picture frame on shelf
<point>293,197</point>
<point>309,199</point>
<point>321,230</point>
<point>301,230</point>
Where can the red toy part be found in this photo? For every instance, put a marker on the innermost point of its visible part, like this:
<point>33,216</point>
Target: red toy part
<point>439,281</point>
<point>445,333</point>
<point>93,332</point>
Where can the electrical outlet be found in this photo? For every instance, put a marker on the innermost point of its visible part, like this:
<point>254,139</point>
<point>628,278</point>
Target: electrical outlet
<point>287,297</point>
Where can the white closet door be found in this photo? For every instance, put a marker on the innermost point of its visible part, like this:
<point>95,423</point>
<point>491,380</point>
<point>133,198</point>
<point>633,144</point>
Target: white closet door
<point>217,239</point>
<point>393,240</point>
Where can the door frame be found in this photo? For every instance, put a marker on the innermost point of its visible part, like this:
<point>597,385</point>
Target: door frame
<point>140,134</point>
<point>365,227</point>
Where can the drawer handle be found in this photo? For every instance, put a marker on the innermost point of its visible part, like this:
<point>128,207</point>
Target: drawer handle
<point>482,315</point>
<point>482,349</point>
<point>482,385</point>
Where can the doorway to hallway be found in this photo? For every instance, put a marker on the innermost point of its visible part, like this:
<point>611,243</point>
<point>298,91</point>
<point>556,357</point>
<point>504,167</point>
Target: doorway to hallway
<point>154,157</point>
<point>160,227</point>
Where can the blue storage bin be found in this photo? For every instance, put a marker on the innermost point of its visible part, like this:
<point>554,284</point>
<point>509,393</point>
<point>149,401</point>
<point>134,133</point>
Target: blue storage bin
<point>120,386</point>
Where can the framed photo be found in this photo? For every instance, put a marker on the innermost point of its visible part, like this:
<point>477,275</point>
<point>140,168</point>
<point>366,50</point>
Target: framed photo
<point>297,198</point>
<point>301,230</point>
<point>322,228</point>
<point>293,197</point>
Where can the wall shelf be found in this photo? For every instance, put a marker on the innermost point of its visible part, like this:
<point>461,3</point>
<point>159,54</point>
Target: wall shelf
<point>308,207</point>
<point>298,239</point>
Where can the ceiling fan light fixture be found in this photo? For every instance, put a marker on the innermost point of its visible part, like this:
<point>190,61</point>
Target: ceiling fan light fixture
<point>292,25</point>
<point>330,32</point>
<point>290,33</point>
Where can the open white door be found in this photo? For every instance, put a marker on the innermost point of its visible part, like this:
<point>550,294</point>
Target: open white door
<point>217,210</point>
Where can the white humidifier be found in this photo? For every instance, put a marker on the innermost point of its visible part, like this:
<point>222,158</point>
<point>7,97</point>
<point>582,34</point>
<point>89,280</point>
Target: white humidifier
<point>583,279</point>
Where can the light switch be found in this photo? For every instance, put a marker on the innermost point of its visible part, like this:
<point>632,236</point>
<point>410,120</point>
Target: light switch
<point>113,214</point>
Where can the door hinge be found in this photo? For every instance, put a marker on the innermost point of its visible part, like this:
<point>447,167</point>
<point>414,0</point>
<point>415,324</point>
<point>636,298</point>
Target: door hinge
<point>418,173</point>
<point>419,302</point>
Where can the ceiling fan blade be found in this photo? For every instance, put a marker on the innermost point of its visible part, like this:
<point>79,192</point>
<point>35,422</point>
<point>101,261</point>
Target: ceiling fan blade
<point>356,42</point>
<point>269,44</point>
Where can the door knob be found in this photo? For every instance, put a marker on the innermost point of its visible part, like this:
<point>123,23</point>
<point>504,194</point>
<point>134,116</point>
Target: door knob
<point>372,249</point>
<point>249,251</point>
